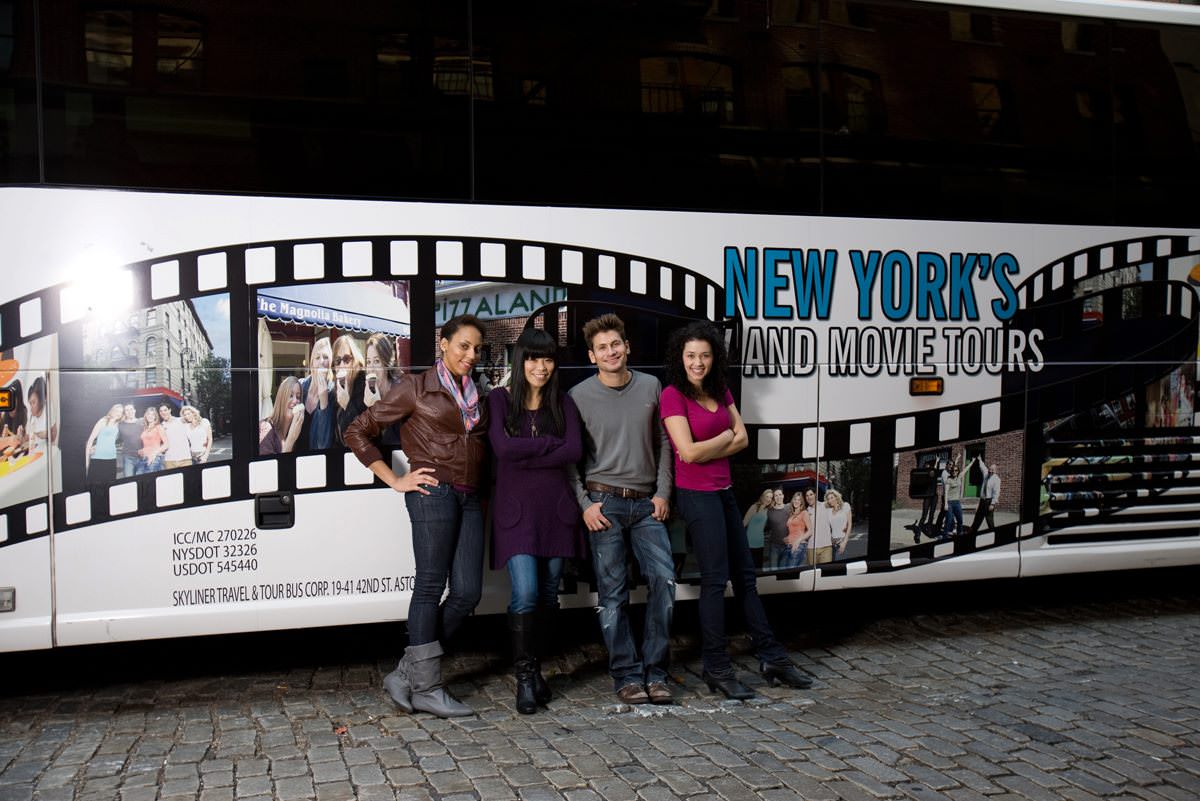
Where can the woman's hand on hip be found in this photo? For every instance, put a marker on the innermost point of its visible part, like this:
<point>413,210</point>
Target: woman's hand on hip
<point>416,481</point>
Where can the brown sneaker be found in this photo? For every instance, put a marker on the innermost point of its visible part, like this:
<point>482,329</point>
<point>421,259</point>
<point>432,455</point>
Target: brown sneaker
<point>633,694</point>
<point>659,693</point>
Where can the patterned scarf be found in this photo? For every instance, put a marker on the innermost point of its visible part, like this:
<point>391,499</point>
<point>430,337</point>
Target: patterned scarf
<point>465,394</point>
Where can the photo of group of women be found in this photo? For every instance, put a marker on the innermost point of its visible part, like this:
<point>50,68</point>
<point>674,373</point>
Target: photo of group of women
<point>154,394</point>
<point>29,423</point>
<point>326,353</point>
<point>956,490</point>
<point>799,516</point>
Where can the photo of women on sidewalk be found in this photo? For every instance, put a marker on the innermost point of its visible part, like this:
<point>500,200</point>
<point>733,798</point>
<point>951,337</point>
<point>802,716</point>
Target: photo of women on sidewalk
<point>807,516</point>
<point>155,395</point>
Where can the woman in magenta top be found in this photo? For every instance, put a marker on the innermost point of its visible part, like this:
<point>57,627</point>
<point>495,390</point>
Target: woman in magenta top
<point>705,429</point>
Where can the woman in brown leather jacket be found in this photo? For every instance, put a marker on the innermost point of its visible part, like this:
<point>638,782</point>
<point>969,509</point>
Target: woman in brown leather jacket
<point>444,431</point>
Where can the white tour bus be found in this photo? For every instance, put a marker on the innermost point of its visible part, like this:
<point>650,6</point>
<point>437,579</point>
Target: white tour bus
<point>984,261</point>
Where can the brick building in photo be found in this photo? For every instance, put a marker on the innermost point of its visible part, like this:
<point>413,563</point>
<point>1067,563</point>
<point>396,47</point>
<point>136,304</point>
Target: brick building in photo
<point>1003,450</point>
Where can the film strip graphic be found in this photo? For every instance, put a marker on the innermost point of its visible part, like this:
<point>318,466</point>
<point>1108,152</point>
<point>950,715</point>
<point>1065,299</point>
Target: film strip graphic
<point>1135,477</point>
<point>1053,285</point>
<point>242,269</point>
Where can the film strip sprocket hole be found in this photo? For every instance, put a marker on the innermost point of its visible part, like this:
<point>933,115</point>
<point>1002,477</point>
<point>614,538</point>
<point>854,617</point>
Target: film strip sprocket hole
<point>259,265</point>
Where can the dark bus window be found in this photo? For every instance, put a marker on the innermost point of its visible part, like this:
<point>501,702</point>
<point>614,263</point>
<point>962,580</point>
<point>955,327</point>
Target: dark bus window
<point>1155,109</point>
<point>267,96</point>
<point>676,105</point>
<point>995,120</point>
<point>18,97</point>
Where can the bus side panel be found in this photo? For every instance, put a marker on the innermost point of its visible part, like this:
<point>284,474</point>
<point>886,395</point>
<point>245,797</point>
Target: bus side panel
<point>1112,477</point>
<point>884,484</point>
<point>1000,562</point>
<point>25,567</point>
<point>30,463</point>
<point>1041,559</point>
<point>209,570</point>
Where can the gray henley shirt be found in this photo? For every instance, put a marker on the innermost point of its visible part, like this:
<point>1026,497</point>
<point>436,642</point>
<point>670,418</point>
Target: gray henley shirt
<point>625,444</point>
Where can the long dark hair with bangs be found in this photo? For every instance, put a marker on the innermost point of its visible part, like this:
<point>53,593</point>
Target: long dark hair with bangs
<point>534,343</point>
<point>713,384</point>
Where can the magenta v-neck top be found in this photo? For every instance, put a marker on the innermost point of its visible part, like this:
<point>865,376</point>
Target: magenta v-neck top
<point>704,424</point>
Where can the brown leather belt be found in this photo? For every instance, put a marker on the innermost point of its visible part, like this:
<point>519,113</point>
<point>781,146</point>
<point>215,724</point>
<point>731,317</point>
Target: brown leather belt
<point>620,492</point>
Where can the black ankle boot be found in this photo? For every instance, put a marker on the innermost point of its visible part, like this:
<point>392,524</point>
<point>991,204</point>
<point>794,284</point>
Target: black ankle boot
<point>729,686</point>
<point>521,628</point>
<point>786,672</point>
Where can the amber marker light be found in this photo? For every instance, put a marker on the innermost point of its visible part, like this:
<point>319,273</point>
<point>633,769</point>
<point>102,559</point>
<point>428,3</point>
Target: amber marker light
<point>934,385</point>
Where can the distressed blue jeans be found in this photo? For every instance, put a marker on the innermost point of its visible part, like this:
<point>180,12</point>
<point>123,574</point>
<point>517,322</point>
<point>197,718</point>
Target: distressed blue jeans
<point>651,546</point>
<point>447,534</point>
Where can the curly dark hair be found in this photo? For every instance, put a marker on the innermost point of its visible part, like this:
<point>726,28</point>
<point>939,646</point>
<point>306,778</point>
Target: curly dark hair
<point>713,384</point>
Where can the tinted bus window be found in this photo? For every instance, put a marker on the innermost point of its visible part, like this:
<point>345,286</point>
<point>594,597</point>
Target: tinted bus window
<point>18,111</point>
<point>1155,112</point>
<point>277,97</point>
<point>995,120</point>
<point>688,105</point>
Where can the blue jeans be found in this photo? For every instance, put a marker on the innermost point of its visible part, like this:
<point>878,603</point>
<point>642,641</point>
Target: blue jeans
<point>954,519</point>
<point>129,464</point>
<point>719,541</point>
<point>783,557</point>
<point>151,466</point>
<point>652,547</point>
<point>534,582</point>
<point>447,533</point>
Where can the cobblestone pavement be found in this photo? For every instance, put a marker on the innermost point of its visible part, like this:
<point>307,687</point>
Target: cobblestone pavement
<point>999,691</point>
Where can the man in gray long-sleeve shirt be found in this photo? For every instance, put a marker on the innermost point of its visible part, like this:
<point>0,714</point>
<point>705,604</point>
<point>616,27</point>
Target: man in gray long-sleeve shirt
<point>625,486</point>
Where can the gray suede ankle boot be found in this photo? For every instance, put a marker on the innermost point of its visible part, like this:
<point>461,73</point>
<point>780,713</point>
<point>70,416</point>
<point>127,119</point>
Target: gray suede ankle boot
<point>428,694</point>
<point>398,686</point>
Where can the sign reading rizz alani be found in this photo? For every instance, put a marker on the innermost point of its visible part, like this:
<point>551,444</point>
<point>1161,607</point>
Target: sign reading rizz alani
<point>487,302</point>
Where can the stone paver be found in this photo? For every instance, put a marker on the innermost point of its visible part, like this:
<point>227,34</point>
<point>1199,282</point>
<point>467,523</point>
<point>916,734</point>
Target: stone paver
<point>1065,688</point>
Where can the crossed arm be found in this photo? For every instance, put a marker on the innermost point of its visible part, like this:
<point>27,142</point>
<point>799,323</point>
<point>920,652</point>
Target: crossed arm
<point>727,443</point>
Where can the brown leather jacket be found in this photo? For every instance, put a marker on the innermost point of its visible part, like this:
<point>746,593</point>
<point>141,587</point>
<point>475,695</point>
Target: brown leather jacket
<point>433,434</point>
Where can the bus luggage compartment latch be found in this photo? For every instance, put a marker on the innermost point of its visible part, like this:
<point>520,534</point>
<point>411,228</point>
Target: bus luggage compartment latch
<point>274,510</point>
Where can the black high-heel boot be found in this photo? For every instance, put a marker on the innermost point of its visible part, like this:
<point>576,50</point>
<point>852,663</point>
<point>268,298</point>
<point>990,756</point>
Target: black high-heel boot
<point>524,670</point>
<point>729,686</point>
<point>785,672</point>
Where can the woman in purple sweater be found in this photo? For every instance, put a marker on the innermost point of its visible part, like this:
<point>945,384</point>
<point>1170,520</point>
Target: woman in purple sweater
<point>535,434</point>
<point>705,428</point>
